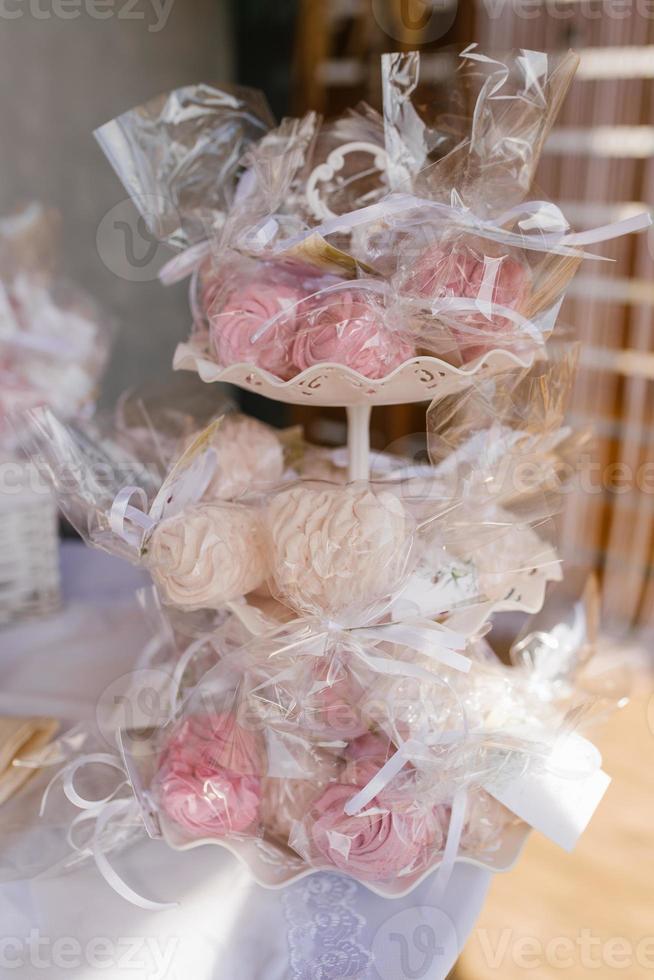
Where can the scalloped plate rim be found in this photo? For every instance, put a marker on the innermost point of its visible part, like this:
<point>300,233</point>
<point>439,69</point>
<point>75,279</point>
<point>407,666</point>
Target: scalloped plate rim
<point>532,606</point>
<point>520,834</point>
<point>210,372</point>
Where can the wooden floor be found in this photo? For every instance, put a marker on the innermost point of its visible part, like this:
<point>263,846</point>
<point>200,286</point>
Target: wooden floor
<point>590,913</point>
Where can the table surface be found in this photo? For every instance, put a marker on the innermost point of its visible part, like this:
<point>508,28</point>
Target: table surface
<point>224,926</point>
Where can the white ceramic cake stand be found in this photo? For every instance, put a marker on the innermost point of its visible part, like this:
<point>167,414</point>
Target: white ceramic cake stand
<point>332,385</point>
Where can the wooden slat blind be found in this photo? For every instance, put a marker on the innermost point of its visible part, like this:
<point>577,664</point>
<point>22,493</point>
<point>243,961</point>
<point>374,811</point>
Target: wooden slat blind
<point>599,161</point>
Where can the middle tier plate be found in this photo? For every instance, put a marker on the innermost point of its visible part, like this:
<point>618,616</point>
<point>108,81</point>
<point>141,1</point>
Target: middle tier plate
<point>417,380</point>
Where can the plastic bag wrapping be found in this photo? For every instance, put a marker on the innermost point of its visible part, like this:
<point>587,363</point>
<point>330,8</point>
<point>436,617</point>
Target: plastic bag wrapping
<point>310,544</point>
<point>227,520</point>
<point>248,752</point>
<point>445,292</point>
<point>486,509</point>
<point>488,141</point>
<point>157,424</point>
<point>466,267</point>
<point>286,318</point>
<point>53,822</point>
<point>339,553</point>
<point>85,475</point>
<point>411,140</point>
<point>269,186</point>
<point>179,156</point>
<point>449,257</point>
<point>42,830</point>
<point>344,750</point>
<point>276,746</point>
<point>357,555</point>
<point>463,289</point>
<point>54,339</point>
<point>183,530</point>
<point>202,545</point>
<point>231,520</point>
<point>425,207</point>
<point>555,652</point>
<point>485,561</point>
<point>506,436</point>
<point>266,299</point>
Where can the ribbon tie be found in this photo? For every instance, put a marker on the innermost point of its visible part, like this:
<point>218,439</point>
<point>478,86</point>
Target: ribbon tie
<point>101,812</point>
<point>542,226</point>
<point>131,523</point>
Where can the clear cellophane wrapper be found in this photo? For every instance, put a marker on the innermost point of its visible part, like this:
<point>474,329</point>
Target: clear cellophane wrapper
<point>366,240</point>
<point>152,485</point>
<point>309,746</point>
<point>501,460</point>
<point>168,456</point>
<point>49,826</point>
<point>319,756</point>
<point>54,339</point>
<point>231,519</point>
<point>509,433</point>
<point>281,734</point>
<point>345,554</point>
<point>346,723</point>
<point>42,832</point>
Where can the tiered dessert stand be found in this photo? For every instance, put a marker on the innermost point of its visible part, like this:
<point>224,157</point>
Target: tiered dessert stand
<point>331,385</point>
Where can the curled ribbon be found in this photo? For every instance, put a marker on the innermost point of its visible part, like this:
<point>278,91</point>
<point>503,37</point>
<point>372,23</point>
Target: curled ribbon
<point>396,763</point>
<point>312,636</point>
<point>543,227</point>
<point>131,523</point>
<point>440,305</point>
<point>101,812</point>
<point>185,263</point>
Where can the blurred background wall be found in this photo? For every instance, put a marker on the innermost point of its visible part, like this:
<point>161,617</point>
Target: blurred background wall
<point>62,77</point>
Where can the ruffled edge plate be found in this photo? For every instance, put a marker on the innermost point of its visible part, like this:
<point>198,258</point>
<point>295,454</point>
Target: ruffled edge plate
<point>417,380</point>
<point>527,595</point>
<point>262,858</point>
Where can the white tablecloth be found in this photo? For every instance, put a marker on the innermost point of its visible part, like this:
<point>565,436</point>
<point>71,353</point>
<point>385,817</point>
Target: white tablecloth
<point>225,926</point>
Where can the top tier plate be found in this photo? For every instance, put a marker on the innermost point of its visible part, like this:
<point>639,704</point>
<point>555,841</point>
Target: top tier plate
<point>418,380</point>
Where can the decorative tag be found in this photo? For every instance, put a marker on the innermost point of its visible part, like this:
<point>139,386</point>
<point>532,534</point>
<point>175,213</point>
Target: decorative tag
<point>428,595</point>
<point>559,806</point>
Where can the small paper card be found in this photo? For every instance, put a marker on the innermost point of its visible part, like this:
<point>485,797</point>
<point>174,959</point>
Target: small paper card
<point>557,802</point>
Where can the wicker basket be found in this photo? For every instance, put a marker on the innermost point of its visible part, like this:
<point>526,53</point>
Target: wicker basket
<point>29,546</point>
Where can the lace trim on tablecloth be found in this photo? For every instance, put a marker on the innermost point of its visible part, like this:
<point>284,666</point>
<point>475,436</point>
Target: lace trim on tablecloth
<point>324,929</point>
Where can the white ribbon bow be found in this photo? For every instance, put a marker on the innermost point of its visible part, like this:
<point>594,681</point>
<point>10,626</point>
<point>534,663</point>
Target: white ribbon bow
<point>131,523</point>
<point>101,812</point>
<point>543,227</point>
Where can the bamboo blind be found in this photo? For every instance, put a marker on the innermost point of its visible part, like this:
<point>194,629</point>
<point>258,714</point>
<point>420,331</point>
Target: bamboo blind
<point>599,162</point>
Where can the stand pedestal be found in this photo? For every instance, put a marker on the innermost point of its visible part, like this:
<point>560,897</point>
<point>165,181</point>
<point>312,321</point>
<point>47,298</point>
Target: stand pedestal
<point>358,441</point>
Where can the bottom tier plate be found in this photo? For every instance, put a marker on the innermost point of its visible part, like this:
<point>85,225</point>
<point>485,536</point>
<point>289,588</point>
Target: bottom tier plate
<point>272,866</point>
